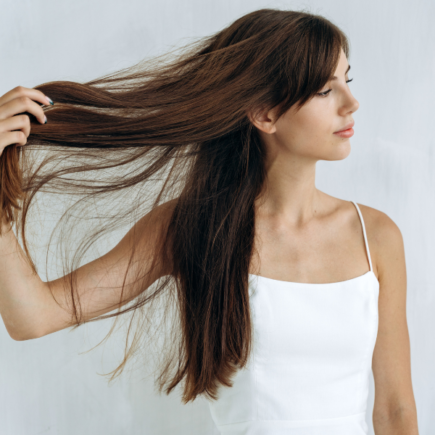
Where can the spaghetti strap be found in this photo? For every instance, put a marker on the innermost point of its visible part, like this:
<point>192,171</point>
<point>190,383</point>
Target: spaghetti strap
<point>365,235</point>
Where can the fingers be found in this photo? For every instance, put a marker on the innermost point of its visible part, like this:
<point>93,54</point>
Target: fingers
<point>20,105</point>
<point>21,91</point>
<point>12,137</point>
<point>14,122</point>
<point>18,122</point>
<point>16,131</point>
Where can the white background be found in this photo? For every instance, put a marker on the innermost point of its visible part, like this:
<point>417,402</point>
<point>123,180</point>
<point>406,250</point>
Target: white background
<point>46,385</point>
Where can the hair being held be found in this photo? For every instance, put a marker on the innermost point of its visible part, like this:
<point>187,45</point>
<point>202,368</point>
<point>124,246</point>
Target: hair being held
<point>175,128</point>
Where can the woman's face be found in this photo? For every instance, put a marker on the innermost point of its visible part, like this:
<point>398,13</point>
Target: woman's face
<point>309,132</point>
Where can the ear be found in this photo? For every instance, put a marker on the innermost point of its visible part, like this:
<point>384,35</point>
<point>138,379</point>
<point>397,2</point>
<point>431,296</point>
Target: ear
<point>264,120</point>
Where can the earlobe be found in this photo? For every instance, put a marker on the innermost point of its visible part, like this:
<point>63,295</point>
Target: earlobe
<point>263,120</point>
<point>268,128</point>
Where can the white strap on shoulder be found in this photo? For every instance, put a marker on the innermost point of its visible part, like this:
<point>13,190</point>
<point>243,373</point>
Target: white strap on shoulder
<point>365,235</point>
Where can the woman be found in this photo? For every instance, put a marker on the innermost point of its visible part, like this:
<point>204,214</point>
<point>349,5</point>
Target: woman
<point>277,320</point>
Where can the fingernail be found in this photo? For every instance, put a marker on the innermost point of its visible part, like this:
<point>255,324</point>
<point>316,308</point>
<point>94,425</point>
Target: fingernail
<point>49,100</point>
<point>45,122</point>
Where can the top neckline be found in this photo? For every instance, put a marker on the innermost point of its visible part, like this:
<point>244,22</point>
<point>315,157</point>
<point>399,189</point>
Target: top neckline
<point>370,272</point>
<point>264,278</point>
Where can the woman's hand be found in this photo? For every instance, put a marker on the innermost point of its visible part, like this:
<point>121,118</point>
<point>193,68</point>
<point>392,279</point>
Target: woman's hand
<point>14,124</point>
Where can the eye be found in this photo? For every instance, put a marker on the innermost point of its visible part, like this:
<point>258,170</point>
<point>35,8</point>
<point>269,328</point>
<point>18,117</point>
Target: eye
<point>324,94</point>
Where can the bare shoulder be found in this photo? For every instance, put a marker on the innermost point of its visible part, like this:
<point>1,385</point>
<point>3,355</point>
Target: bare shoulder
<point>157,219</point>
<point>151,229</point>
<point>161,214</point>
<point>384,237</point>
<point>393,382</point>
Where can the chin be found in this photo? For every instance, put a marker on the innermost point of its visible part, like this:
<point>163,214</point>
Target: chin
<point>339,153</point>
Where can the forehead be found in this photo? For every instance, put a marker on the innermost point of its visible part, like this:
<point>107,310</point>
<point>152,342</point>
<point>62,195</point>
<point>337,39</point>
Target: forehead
<point>343,64</point>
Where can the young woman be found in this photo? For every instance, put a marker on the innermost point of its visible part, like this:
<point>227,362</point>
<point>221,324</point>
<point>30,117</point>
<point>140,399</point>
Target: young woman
<point>285,297</point>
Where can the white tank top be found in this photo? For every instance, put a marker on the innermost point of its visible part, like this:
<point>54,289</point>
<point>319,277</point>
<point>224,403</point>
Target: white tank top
<point>308,373</point>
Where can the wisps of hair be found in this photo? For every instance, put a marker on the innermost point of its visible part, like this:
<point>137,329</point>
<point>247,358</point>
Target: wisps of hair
<point>180,120</point>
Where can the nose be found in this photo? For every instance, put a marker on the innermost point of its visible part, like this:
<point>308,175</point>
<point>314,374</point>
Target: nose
<point>355,104</point>
<point>351,102</point>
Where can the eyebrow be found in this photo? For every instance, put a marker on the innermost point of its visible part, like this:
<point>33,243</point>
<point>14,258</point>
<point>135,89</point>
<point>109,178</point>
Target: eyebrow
<point>335,77</point>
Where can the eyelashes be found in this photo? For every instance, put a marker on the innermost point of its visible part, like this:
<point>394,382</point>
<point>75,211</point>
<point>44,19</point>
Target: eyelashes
<point>324,94</point>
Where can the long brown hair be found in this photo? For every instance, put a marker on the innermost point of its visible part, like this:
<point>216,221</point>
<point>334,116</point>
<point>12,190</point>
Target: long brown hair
<point>180,120</point>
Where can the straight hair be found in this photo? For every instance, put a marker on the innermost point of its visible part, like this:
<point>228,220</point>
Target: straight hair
<point>181,120</point>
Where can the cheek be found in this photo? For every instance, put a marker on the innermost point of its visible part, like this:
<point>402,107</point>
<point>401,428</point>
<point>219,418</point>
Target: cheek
<point>308,132</point>
<point>315,125</point>
<point>315,134</point>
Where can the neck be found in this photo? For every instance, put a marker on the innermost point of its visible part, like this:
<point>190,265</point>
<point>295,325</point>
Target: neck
<point>290,191</point>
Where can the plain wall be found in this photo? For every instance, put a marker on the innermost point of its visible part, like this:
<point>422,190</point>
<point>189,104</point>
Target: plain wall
<point>47,386</point>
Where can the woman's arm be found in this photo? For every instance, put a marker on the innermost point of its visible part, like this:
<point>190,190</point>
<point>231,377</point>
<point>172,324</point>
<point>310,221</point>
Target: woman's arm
<point>21,292</point>
<point>31,308</point>
<point>394,409</point>
<point>27,305</point>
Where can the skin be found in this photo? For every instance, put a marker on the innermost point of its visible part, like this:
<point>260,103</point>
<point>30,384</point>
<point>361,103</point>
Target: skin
<point>305,235</point>
<point>14,124</point>
<point>301,235</point>
<point>32,308</point>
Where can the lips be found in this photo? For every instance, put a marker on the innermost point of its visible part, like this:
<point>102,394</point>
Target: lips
<point>346,127</point>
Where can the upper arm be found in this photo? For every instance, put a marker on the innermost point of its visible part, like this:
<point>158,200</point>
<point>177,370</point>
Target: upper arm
<point>391,357</point>
<point>99,282</point>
